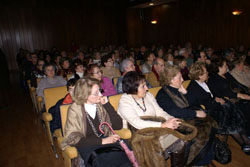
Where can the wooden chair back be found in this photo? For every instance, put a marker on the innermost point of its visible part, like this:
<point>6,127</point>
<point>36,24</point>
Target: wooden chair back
<point>64,113</point>
<point>114,100</point>
<point>186,83</point>
<point>114,80</point>
<point>53,95</point>
<point>154,90</point>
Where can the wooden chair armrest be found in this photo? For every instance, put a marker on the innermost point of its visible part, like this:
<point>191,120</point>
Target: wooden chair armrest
<point>124,133</point>
<point>33,89</point>
<point>47,117</point>
<point>58,133</point>
<point>40,103</point>
<point>71,152</point>
<point>59,141</point>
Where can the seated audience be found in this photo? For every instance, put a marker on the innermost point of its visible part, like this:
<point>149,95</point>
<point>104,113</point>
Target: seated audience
<point>171,82</point>
<point>78,69</point>
<point>38,73</point>
<point>154,76</point>
<point>50,81</point>
<point>57,62</point>
<point>202,57</point>
<point>108,67</point>
<point>30,66</point>
<point>136,102</point>
<point>147,66</point>
<point>182,63</point>
<point>137,67</point>
<point>160,52</point>
<point>239,73</point>
<point>126,66</point>
<point>171,99</point>
<point>48,58</point>
<point>97,58</point>
<point>55,110</point>
<point>219,81</point>
<point>80,56</point>
<point>222,85</point>
<point>108,88</point>
<point>65,68</point>
<point>184,52</point>
<point>141,54</point>
<point>230,120</point>
<point>88,110</point>
<point>116,58</point>
<point>169,59</point>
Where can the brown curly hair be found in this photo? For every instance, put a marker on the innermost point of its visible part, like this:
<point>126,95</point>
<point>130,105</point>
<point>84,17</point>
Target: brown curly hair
<point>168,74</point>
<point>196,70</point>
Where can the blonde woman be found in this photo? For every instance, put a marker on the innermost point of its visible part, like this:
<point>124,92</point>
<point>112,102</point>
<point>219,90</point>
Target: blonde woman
<point>87,112</point>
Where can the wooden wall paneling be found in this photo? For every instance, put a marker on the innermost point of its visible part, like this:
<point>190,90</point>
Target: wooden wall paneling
<point>13,41</point>
<point>209,22</point>
<point>6,37</point>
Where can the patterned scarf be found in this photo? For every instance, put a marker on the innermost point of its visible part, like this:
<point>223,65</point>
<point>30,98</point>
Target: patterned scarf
<point>179,101</point>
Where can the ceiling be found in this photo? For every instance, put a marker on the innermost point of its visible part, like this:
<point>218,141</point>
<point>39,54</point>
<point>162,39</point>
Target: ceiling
<point>146,3</point>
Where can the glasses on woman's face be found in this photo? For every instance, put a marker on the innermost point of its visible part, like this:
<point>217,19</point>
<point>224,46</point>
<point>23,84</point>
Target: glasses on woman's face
<point>98,72</point>
<point>40,64</point>
<point>98,93</point>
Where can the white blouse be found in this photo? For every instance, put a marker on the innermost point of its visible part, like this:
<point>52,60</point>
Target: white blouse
<point>131,112</point>
<point>205,87</point>
<point>90,109</point>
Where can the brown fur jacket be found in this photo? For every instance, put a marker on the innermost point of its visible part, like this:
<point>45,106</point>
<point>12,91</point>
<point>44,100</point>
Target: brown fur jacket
<point>146,144</point>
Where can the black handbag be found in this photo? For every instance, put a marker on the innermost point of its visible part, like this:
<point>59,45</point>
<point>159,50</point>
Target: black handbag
<point>109,155</point>
<point>223,153</point>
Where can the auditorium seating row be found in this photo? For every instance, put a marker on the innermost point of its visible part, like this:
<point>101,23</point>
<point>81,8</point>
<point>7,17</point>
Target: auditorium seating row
<point>51,96</point>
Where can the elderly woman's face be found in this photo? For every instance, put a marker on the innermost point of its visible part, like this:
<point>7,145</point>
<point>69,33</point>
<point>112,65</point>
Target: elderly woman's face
<point>95,96</point>
<point>50,71</point>
<point>130,66</point>
<point>204,76</point>
<point>142,90</point>
<point>176,82</point>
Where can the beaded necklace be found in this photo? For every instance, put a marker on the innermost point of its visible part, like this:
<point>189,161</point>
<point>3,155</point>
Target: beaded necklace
<point>143,109</point>
<point>92,125</point>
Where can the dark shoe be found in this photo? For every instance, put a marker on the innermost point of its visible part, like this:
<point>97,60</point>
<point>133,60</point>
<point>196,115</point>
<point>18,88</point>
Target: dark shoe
<point>246,149</point>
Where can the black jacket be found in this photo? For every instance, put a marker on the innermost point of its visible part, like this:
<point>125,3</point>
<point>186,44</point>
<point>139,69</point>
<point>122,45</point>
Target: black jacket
<point>168,105</point>
<point>220,87</point>
<point>197,96</point>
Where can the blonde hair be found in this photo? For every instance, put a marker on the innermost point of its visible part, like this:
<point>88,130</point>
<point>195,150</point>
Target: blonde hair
<point>168,74</point>
<point>83,89</point>
<point>196,70</point>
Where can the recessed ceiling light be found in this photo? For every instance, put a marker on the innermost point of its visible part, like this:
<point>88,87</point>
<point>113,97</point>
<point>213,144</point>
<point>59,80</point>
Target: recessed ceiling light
<point>154,22</point>
<point>236,12</point>
<point>151,4</point>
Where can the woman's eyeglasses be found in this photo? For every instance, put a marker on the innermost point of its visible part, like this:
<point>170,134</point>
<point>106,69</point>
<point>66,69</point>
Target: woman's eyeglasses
<point>98,72</point>
<point>98,93</point>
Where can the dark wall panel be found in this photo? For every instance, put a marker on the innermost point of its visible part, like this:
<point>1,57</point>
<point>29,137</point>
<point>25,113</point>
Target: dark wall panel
<point>35,24</point>
<point>200,21</point>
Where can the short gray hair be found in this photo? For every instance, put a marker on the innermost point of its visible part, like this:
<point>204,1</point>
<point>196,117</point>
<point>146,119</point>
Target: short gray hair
<point>124,64</point>
<point>183,50</point>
